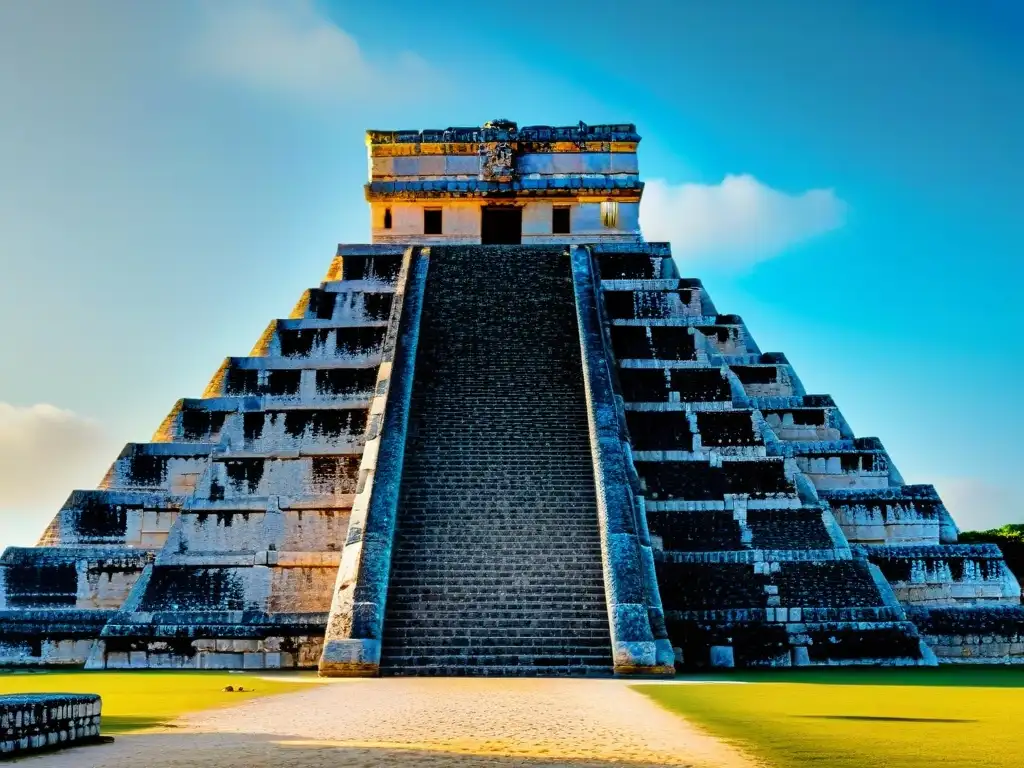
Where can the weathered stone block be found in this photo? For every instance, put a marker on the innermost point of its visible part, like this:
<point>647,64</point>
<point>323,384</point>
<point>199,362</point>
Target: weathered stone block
<point>252,661</point>
<point>722,656</point>
<point>138,660</point>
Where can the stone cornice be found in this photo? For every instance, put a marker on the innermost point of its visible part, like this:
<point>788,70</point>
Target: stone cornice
<point>506,130</point>
<point>520,147</point>
<point>569,188</point>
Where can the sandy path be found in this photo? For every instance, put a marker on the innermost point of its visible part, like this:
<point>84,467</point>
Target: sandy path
<point>423,722</point>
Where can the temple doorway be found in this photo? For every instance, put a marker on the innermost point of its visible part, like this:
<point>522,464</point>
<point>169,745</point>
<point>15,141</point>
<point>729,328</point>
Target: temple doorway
<point>501,225</point>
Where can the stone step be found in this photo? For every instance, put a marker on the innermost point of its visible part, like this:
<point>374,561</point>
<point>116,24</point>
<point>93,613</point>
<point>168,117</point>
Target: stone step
<point>461,644</point>
<point>493,551</point>
<point>455,567</point>
<point>446,657</point>
<point>564,542</point>
<point>511,554</point>
<point>462,608</point>
<point>470,574</point>
<point>473,604</point>
<point>461,466</point>
<point>443,630</point>
<point>453,562</point>
<point>526,592</point>
<point>531,530</point>
<point>587,631</point>
<point>497,654</point>
<point>549,504</point>
<point>497,544</point>
<point>515,582</point>
<point>542,510</point>
<point>500,434</point>
<point>436,670</point>
<point>514,534</point>
<point>456,510</point>
<point>438,566</point>
<point>509,604</point>
<point>568,563</point>
<point>490,617</point>
<point>511,535</point>
<point>461,611</point>
<point>473,579</point>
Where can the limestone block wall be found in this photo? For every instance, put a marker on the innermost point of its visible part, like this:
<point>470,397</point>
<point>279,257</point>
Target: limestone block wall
<point>54,601</point>
<point>206,531</point>
<point>462,222</point>
<point>216,545</point>
<point>945,575</point>
<point>350,306</point>
<point>303,590</point>
<point>327,429</point>
<point>907,514</point>
<point>112,518</point>
<point>752,566</point>
<point>311,530</point>
<point>835,465</point>
<point>274,647</point>
<point>66,577</point>
<point>329,479</point>
<point>973,634</point>
<point>466,167</point>
<point>777,380</point>
<point>173,468</point>
<point>816,425</point>
<point>356,345</point>
<point>732,513</point>
<point>39,722</point>
<point>452,171</point>
<point>289,533</point>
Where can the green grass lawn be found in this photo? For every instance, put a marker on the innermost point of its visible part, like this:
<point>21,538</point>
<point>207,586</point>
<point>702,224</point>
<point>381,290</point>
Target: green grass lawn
<point>143,699</point>
<point>847,718</point>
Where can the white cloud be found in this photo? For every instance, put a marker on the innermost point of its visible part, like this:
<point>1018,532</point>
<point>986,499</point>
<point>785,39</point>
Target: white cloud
<point>737,223</point>
<point>978,504</point>
<point>45,453</point>
<point>285,46</point>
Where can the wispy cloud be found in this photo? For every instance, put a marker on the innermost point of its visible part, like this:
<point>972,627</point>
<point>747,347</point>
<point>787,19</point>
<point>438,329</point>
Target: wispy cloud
<point>980,504</point>
<point>286,47</point>
<point>45,452</point>
<point>737,223</point>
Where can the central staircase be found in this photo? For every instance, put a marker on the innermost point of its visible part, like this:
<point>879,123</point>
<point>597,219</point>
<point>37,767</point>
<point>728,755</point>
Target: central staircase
<point>497,567</point>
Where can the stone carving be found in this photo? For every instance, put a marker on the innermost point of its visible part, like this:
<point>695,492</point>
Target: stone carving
<point>40,722</point>
<point>497,161</point>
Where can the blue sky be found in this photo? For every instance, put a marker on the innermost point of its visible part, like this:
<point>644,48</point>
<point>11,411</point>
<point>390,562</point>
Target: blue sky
<point>845,175</point>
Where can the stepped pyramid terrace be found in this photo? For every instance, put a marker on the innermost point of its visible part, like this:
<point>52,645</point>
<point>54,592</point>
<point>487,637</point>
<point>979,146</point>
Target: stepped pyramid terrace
<point>506,437</point>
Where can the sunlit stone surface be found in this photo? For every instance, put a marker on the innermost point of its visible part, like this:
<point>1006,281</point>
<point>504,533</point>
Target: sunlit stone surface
<point>506,438</point>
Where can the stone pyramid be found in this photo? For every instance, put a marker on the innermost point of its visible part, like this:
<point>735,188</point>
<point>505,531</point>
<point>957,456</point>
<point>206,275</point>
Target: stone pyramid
<point>505,438</point>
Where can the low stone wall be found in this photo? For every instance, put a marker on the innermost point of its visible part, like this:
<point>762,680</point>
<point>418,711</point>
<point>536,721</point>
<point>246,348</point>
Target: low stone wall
<point>972,634</point>
<point>36,722</point>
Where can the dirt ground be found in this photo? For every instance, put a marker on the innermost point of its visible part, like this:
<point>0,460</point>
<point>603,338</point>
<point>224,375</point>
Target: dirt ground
<point>422,722</point>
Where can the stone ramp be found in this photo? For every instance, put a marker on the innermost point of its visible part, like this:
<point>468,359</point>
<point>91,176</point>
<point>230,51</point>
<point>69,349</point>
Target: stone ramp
<point>497,563</point>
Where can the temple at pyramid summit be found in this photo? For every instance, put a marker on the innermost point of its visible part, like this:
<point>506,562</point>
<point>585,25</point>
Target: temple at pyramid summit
<point>506,437</point>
